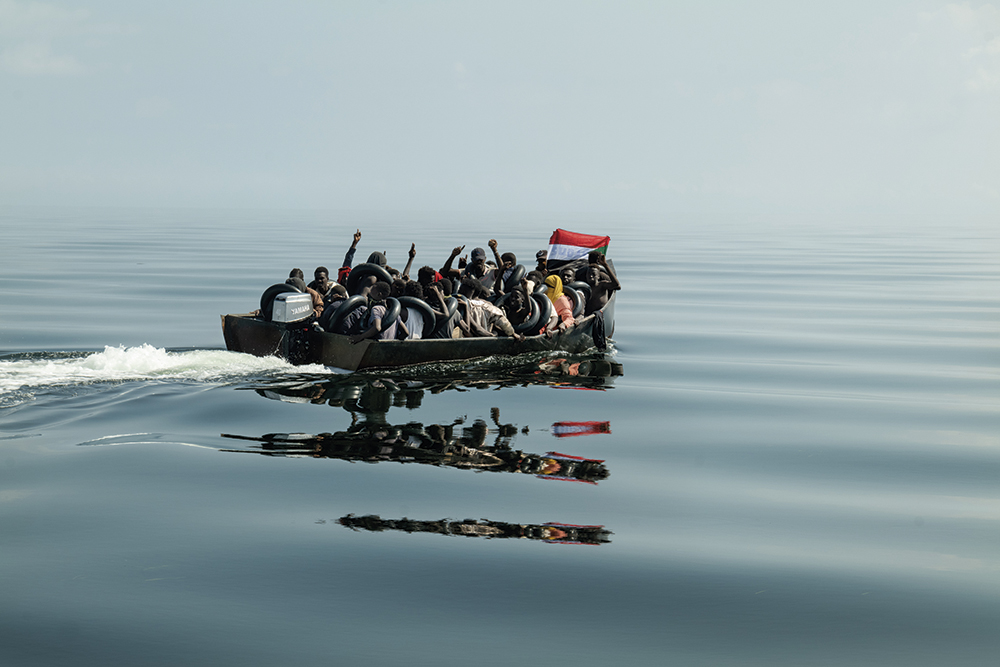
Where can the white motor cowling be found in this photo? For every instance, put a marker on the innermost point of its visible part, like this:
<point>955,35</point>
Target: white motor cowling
<point>292,307</point>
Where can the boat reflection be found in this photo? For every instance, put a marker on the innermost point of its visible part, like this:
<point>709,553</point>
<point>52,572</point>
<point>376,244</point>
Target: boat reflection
<point>551,533</point>
<point>372,392</point>
<point>475,447</point>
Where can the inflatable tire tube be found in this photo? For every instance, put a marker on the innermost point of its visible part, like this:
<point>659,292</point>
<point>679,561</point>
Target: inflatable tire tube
<point>541,288</point>
<point>581,286</point>
<point>577,299</point>
<point>419,304</point>
<point>545,311</point>
<point>267,298</point>
<point>451,303</point>
<point>366,269</point>
<point>392,309</point>
<point>337,315</point>
<point>530,324</point>
<point>516,274</point>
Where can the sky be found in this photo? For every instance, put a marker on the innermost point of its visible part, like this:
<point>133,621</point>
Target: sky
<point>769,107</point>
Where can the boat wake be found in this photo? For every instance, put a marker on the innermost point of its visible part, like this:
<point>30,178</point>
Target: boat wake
<point>22,375</point>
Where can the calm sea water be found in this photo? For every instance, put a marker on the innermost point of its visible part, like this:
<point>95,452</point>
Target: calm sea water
<point>799,463</point>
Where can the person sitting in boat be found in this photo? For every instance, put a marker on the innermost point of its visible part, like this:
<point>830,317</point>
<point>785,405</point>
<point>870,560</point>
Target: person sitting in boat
<point>377,327</point>
<point>562,307</point>
<point>348,260</point>
<point>414,317</point>
<point>567,274</point>
<point>426,275</point>
<point>481,318</point>
<point>505,267</point>
<point>434,296</point>
<point>297,279</point>
<point>533,280</point>
<point>603,282</point>
<point>517,306</point>
<point>397,288</point>
<point>541,258</point>
<point>477,267</point>
<point>321,282</point>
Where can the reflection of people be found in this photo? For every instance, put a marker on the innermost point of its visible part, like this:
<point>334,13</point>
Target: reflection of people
<point>547,532</point>
<point>467,448</point>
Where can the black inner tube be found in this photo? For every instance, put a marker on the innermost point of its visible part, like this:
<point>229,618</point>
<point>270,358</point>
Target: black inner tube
<point>362,270</point>
<point>419,304</point>
<point>331,318</point>
<point>267,298</point>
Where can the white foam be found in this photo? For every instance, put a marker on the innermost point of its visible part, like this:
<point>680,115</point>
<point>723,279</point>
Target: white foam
<point>144,362</point>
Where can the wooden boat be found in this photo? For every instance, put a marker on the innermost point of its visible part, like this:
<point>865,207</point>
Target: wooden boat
<point>305,344</point>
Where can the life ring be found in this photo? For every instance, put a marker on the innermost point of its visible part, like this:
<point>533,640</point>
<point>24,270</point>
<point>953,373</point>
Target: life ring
<point>362,270</point>
<point>332,318</point>
<point>545,310</point>
<point>577,298</point>
<point>514,279</point>
<point>267,298</point>
<point>419,304</point>
<point>531,322</point>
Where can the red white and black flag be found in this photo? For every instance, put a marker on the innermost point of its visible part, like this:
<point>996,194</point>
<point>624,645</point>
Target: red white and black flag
<point>565,247</point>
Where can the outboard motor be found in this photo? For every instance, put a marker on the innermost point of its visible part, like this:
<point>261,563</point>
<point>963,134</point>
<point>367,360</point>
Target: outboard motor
<point>294,311</point>
<point>292,307</point>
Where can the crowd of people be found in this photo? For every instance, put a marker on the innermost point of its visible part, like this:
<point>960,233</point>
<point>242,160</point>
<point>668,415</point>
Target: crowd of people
<point>493,297</point>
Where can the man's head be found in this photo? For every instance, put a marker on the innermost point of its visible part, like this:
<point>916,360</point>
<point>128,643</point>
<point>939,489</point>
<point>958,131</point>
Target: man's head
<point>541,256</point>
<point>413,288</point>
<point>593,275</point>
<point>567,275</point>
<point>398,285</point>
<point>379,292</point>
<point>322,276</point>
<point>470,287</point>
<point>445,285</point>
<point>338,291</point>
<point>296,273</point>
<point>508,259</point>
<point>425,275</point>
<point>377,258</point>
<point>517,301</point>
<point>478,256</point>
<point>296,282</point>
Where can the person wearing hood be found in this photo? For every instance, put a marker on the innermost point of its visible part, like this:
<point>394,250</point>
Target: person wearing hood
<point>562,306</point>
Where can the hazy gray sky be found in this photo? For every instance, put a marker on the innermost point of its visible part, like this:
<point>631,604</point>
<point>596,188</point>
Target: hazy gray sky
<point>564,106</point>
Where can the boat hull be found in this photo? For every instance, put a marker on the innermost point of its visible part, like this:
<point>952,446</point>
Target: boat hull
<point>300,344</point>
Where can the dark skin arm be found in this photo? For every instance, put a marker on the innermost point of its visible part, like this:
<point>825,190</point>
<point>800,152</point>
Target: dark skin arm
<point>374,330</point>
<point>446,270</point>
<point>412,253</point>
<point>498,280</point>
<point>603,261</point>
